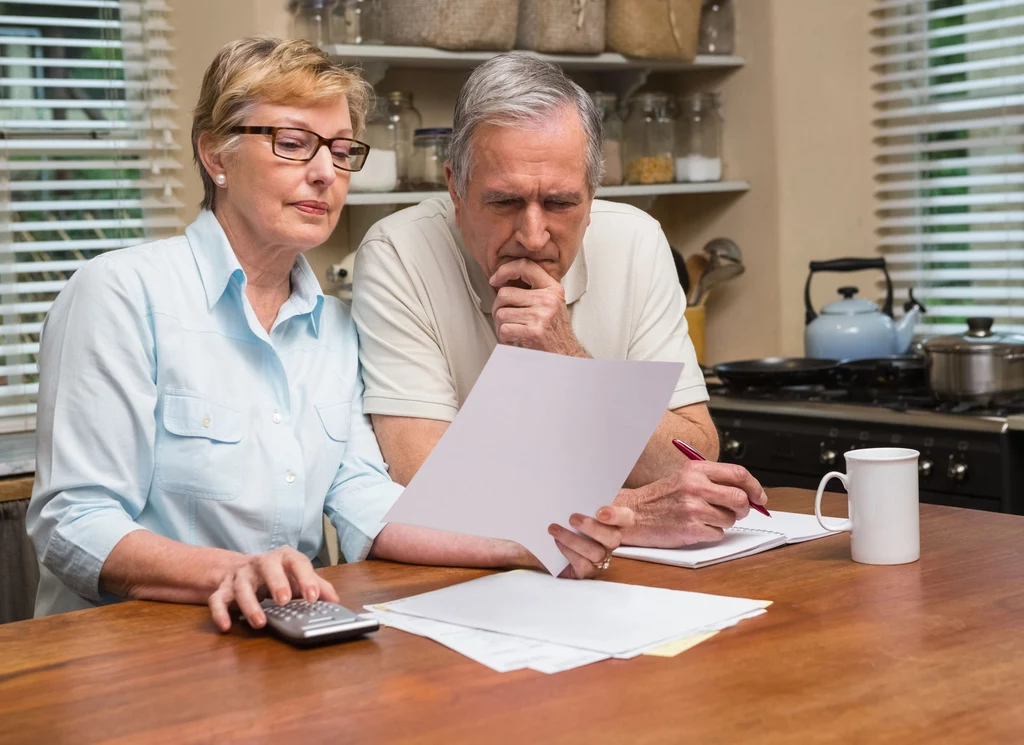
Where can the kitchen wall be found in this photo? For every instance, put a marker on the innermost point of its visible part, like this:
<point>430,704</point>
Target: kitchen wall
<point>798,127</point>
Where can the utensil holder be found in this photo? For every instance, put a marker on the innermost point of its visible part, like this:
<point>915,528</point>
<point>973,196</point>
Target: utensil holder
<point>695,319</point>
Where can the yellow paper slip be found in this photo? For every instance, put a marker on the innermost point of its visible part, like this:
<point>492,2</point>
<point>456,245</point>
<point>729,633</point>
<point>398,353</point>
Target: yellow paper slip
<point>680,645</point>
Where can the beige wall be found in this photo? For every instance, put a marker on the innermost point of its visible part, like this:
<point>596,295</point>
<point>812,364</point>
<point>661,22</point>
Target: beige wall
<point>797,127</point>
<point>822,92</point>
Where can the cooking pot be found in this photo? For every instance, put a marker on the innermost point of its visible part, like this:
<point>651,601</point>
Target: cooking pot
<point>978,366</point>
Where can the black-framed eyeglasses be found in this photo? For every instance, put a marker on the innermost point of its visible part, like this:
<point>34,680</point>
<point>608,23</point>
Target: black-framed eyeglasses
<point>292,143</point>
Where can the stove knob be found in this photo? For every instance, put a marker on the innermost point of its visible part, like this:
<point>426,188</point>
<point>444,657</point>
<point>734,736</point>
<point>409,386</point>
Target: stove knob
<point>957,470</point>
<point>828,456</point>
<point>925,467</point>
<point>732,448</point>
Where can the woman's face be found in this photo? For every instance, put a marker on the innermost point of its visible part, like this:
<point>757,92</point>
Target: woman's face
<point>292,204</point>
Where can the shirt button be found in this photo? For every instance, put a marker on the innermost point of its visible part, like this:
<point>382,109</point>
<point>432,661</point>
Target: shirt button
<point>207,421</point>
<point>277,417</point>
<point>290,477</point>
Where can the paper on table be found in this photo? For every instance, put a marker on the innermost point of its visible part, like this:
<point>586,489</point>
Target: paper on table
<point>606,617</point>
<point>540,436</point>
<point>505,653</point>
<point>500,652</point>
<point>631,654</point>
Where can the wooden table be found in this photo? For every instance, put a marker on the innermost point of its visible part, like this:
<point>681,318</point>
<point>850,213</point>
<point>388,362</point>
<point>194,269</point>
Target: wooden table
<point>927,652</point>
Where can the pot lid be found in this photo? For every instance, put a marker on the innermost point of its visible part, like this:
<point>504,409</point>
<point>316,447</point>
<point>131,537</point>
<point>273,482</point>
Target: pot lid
<point>849,305</point>
<point>978,339</point>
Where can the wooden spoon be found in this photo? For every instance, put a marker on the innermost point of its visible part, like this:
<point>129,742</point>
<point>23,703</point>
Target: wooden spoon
<point>696,264</point>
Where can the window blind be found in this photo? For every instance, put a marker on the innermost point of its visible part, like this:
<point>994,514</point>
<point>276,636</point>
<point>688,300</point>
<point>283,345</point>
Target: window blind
<point>88,161</point>
<point>949,98</point>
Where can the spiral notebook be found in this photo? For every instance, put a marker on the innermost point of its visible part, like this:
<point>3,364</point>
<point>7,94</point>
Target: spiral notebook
<point>751,535</point>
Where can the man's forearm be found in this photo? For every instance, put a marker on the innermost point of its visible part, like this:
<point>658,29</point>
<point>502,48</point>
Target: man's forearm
<point>147,566</point>
<point>415,545</point>
<point>660,457</point>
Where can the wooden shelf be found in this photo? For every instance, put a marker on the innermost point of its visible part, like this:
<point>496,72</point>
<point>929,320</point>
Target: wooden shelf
<point>429,57</point>
<point>605,192</point>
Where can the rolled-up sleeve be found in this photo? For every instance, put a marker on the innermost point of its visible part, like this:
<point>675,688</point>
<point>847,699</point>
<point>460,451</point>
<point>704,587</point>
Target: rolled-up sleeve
<point>362,491</point>
<point>94,425</point>
<point>404,369</point>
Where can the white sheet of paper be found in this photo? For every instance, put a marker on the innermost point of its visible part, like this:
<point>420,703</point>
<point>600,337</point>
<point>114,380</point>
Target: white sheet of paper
<point>500,652</point>
<point>607,617</point>
<point>540,436</point>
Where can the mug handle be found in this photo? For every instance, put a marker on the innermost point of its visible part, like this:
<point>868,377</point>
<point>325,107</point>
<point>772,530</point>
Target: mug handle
<point>846,524</point>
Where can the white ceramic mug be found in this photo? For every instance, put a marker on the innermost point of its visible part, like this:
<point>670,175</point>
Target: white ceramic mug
<point>883,503</point>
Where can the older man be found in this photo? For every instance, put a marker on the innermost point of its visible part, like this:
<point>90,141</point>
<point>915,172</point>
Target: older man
<point>522,254</point>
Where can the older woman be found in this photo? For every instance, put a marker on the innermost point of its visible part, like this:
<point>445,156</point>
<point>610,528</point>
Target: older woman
<point>200,403</point>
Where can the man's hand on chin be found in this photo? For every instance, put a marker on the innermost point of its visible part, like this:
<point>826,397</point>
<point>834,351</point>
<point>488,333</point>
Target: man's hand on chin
<point>530,310</point>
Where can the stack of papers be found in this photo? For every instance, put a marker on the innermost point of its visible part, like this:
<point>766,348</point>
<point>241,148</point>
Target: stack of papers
<point>525,619</point>
<point>751,535</point>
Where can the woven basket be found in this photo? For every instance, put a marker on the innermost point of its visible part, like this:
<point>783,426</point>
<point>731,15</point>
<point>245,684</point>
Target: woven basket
<point>655,29</point>
<point>557,26</point>
<point>451,24</point>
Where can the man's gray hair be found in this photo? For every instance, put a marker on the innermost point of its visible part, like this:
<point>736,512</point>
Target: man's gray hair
<point>518,88</point>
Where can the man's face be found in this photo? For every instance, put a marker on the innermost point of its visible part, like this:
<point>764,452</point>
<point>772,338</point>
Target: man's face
<point>527,195</point>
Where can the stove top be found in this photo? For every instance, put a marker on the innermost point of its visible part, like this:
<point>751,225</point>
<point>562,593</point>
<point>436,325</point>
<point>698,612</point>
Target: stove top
<point>897,400</point>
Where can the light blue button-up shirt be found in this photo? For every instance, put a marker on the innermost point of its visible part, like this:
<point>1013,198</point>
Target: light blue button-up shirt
<point>164,405</point>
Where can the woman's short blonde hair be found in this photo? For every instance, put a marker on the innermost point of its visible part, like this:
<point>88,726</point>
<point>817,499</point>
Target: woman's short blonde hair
<point>262,69</point>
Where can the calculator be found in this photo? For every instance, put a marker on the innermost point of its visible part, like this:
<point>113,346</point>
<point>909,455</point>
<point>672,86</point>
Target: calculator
<point>306,624</point>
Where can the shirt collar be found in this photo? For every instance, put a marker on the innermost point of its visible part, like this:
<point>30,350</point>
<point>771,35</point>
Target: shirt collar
<point>218,265</point>
<point>306,297</point>
<point>574,283</point>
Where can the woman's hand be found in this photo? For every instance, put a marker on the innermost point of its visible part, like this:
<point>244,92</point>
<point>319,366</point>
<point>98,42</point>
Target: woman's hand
<point>282,574</point>
<point>590,548</point>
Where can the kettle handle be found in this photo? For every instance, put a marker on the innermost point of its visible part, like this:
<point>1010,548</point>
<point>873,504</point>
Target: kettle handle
<point>846,265</point>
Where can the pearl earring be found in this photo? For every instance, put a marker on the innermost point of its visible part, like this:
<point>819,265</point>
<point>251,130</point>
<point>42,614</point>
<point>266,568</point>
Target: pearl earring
<point>221,179</point>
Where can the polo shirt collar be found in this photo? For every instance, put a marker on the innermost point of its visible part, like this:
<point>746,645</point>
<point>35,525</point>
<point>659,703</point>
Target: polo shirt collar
<point>574,283</point>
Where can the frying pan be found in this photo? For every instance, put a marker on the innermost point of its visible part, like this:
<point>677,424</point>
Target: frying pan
<point>777,372</point>
<point>900,371</point>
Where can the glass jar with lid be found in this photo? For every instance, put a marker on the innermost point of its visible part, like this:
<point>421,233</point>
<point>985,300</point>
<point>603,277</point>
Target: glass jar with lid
<point>717,29</point>
<point>430,151</point>
<point>380,171</point>
<point>404,120</point>
<point>649,144</point>
<point>357,22</point>
<point>611,146</point>
<point>311,20</point>
<point>699,138</point>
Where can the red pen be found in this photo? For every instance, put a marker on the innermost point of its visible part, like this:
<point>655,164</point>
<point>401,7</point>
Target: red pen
<point>693,454</point>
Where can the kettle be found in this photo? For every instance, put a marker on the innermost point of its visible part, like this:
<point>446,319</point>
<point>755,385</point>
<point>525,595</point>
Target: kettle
<point>852,328</point>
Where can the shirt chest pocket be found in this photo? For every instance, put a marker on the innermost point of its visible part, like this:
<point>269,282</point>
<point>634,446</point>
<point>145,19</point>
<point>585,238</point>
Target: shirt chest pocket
<point>336,419</point>
<point>200,450</point>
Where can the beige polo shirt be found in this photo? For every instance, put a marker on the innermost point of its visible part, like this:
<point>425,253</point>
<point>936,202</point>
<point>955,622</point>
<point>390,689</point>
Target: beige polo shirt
<point>422,305</point>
